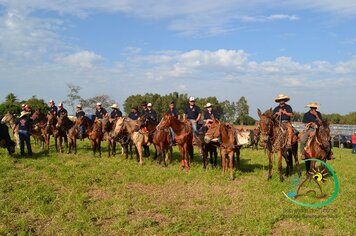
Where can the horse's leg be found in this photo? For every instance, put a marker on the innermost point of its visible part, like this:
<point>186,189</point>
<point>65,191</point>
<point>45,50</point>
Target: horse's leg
<point>270,165</point>
<point>205,155</point>
<point>75,145</point>
<point>113,147</point>
<point>99,146</point>
<point>109,147</point>
<point>181,151</point>
<point>296,160</point>
<point>307,166</point>
<point>280,165</point>
<point>231,159</point>
<point>139,150</point>
<point>237,158</point>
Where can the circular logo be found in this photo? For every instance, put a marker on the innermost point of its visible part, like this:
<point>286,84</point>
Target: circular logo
<point>319,188</point>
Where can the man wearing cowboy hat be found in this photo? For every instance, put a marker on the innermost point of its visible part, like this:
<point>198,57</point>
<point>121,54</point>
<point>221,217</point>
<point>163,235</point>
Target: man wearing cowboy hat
<point>312,119</point>
<point>100,112</point>
<point>210,114</point>
<point>115,111</point>
<point>24,124</point>
<point>192,113</point>
<point>283,113</point>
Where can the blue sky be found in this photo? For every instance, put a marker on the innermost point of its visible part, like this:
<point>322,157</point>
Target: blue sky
<point>227,49</point>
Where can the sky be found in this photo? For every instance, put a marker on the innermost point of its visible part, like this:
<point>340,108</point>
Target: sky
<point>228,49</point>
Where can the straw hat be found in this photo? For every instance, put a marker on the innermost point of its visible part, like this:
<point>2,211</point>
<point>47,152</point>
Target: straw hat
<point>313,104</point>
<point>98,103</point>
<point>24,113</point>
<point>114,106</point>
<point>79,106</point>
<point>208,105</point>
<point>282,97</point>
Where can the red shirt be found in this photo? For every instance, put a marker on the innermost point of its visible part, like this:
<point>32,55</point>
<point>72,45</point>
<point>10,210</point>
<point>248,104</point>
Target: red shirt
<point>354,139</point>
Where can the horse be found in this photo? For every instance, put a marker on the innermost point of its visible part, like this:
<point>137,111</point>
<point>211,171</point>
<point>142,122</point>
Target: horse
<point>49,129</point>
<point>255,139</point>
<point>208,150</point>
<point>67,125</point>
<point>318,146</point>
<point>93,132</point>
<point>108,135</point>
<point>5,140</point>
<point>274,140</point>
<point>184,137</point>
<point>125,125</point>
<point>160,138</point>
<point>226,135</point>
<point>39,121</point>
<point>10,119</point>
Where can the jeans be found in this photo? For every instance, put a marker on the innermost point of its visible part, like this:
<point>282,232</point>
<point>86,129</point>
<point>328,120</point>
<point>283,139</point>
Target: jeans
<point>25,138</point>
<point>194,126</point>
<point>81,131</point>
<point>173,135</point>
<point>304,139</point>
<point>354,148</point>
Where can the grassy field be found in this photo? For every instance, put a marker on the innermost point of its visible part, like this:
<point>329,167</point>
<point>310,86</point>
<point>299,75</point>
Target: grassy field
<point>51,194</point>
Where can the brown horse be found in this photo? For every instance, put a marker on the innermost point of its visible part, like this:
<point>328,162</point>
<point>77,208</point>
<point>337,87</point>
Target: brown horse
<point>39,121</point>
<point>160,138</point>
<point>49,129</point>
<point>318,146</point>
<point>125,125</point>
<point>66,125</point>
<point>93,131</point>
<point>108,134</point>
<point>208,150</point>
<point>184,136</point>
<point>255,138</point>
<point>10,119</point>
<point>225,133</point>
<point>274,140</point>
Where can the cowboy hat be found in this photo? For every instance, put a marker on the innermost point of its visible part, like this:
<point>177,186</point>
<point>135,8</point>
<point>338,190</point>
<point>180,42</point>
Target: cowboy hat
<point>24,113</point>
<point>208,105</point>
<point>98,103</point>
<point>282,97</point>
<point>114,106</point>
<point>191,99</point>
<point>149,104</point>
<point>313,104</point>
<point>79,106</point>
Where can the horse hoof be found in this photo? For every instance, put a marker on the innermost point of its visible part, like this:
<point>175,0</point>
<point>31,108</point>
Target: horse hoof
<point>281,178</point>
<point>269,177</point>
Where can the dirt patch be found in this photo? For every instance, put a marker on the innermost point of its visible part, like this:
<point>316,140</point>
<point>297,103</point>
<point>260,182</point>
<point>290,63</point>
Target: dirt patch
<point>96,194</point>
<point>286,227</point>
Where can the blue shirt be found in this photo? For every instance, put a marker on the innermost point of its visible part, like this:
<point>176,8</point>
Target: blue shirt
<point>287,108</point>
<point>115,113</point>
<point>53,109</point>
<point>134,115</point>
<point>192,112</point>
<point>308,117</point>
<point>209,115</point>
<point>100,113</point>
<point>173,112</point>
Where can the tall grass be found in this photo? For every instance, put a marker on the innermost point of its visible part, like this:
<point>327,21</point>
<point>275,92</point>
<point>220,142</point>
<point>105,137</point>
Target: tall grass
<point>53,193</point>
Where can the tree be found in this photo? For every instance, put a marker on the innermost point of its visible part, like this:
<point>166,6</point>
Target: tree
<point>11,99</point>
<point>73,96</point>
<point>89,104</point>
<point>11,104</point>
<point>242,111</point>
<point>37,104</point>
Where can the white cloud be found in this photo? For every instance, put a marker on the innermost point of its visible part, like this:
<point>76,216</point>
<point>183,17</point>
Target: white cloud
<point>274,17</point>
<point>83,59</point>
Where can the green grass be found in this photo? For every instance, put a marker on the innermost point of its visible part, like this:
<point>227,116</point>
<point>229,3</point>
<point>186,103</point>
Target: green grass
<point>78,194</point>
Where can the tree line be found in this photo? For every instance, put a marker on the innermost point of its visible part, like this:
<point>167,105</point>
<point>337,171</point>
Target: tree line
<point>236,112</point>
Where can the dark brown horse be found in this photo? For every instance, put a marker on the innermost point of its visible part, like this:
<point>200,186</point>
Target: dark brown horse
<point>93,131</point>
<point>184,136</point>
<point>225,133</point>
<point>274,140</point>
<point>161,139</point>
<point>39,121</point>
<point>109,134</point>
<point>49,129</point>
<point>318,146</point>
<point>67,126</point>
<point>255,138</point>
<point>208,150</point>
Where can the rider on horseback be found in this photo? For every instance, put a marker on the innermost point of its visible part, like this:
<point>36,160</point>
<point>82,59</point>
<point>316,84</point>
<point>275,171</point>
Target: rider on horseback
<point>283,113</point>
<point>313,120</point>
<point>192,113</point>
<point>52,107</point>
<point>172,110</point>
<point>100,112</point>
<point>79,113</point>
<point>61,110</point>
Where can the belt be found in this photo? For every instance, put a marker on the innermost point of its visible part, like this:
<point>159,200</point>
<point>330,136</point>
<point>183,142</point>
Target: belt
<point>285,121</point>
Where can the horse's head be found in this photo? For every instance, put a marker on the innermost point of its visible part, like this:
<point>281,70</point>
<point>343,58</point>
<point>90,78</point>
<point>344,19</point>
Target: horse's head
<point>265,125</point>
<point>213,131</point>
<point>166,121</point>
<point>324,133</point>
<point>7,118</point>
<point>119,126</point>
<point>11,147</point>
<point>61,120</point>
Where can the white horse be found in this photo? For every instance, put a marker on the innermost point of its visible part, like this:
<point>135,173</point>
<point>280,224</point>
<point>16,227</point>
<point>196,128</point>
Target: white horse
<point>10,120</point>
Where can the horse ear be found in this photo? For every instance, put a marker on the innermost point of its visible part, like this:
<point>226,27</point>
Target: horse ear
<point>259,112</point>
